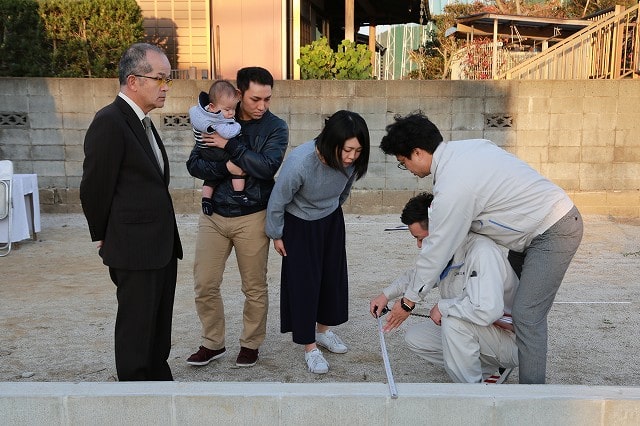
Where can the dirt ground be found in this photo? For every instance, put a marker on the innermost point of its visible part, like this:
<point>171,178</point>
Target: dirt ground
<point>57,310</point>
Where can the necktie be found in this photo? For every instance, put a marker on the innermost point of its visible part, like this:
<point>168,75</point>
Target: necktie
<point>146,122</point>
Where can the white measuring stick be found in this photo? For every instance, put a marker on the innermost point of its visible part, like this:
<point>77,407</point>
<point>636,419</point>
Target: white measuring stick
<point>385,358</point>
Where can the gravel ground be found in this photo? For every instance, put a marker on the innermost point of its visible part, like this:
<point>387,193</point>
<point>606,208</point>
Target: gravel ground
<point>58,311</point>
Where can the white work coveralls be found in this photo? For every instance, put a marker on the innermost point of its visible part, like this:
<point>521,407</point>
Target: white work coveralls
<point>476,290</point>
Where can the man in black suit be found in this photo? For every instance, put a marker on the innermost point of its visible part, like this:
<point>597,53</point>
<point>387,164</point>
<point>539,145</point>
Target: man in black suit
<point>125,198</point>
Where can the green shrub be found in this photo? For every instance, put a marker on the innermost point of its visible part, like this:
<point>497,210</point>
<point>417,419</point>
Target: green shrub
<point>66,38</point>
<point>87,37</point>
<point>23,51</point>
<point>316,60</point>
<point>351,61</point>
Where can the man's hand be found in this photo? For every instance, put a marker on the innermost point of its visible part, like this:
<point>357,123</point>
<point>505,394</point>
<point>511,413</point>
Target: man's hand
<point>378,304</point>
<point>279,246</point>
<point>214,140</point>
<point>505,322</point>
<point>436,315</point>
<point>397,315</point>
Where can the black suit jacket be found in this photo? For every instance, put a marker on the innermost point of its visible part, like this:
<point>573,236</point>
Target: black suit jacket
<point>124,196</point>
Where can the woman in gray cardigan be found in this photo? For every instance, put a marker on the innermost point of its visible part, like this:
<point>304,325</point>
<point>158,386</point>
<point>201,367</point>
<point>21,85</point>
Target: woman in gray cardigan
<point>305,221</point>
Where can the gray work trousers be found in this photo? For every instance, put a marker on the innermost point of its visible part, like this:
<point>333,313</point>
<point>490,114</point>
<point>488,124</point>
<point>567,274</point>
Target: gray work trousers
<point>541,268</point>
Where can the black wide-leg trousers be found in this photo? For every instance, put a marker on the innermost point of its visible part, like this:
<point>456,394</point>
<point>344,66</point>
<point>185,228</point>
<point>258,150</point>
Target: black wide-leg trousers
<point>314,282</point>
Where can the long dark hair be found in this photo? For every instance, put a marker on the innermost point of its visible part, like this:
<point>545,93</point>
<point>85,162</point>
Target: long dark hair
<point>341,126</point>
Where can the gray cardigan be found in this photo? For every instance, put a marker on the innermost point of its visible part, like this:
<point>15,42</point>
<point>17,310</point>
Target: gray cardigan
<point>306,188</point>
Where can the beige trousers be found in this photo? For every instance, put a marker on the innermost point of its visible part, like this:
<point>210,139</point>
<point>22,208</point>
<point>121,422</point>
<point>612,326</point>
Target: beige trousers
<point>468,352</point>
<point>217,235</point>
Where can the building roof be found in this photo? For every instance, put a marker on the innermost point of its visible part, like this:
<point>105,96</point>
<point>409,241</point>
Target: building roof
<point>528,28</point>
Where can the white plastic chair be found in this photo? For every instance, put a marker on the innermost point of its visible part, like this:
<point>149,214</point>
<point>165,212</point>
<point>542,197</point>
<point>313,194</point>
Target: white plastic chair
<point>6,177</point>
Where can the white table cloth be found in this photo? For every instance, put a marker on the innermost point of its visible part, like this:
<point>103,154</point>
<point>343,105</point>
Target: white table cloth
<point>25,213</point>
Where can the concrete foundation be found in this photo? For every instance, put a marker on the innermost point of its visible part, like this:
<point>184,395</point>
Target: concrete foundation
<point>237,403</point>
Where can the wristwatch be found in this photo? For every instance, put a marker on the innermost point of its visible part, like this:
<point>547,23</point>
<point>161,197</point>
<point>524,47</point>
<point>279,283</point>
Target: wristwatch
<point>405,306</point>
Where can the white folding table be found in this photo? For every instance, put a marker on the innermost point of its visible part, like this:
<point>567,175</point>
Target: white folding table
<point>25,213</point>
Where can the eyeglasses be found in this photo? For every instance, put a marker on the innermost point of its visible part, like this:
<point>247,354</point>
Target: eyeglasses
<point>160,80</point>
<point>401,166</point>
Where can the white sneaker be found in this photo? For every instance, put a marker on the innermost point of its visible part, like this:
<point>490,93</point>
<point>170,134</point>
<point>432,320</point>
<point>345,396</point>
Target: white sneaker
<point>316,362</point>
<point>331,341</point>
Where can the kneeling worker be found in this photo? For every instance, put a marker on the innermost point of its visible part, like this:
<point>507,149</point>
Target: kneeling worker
<point>470,332</point>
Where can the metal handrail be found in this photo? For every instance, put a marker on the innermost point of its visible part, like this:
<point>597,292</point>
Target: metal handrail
<point>607,49</point>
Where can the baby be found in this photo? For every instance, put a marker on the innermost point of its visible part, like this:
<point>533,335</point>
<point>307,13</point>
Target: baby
<point>215,112</point>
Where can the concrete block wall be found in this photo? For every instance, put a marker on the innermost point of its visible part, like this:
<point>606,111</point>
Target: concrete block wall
<point>583,135</point>
<point>172,403</point>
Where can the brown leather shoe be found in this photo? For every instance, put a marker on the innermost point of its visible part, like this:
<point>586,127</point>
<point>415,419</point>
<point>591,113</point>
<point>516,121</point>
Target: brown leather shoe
<point>205,355</point>
<point>247,357</point>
